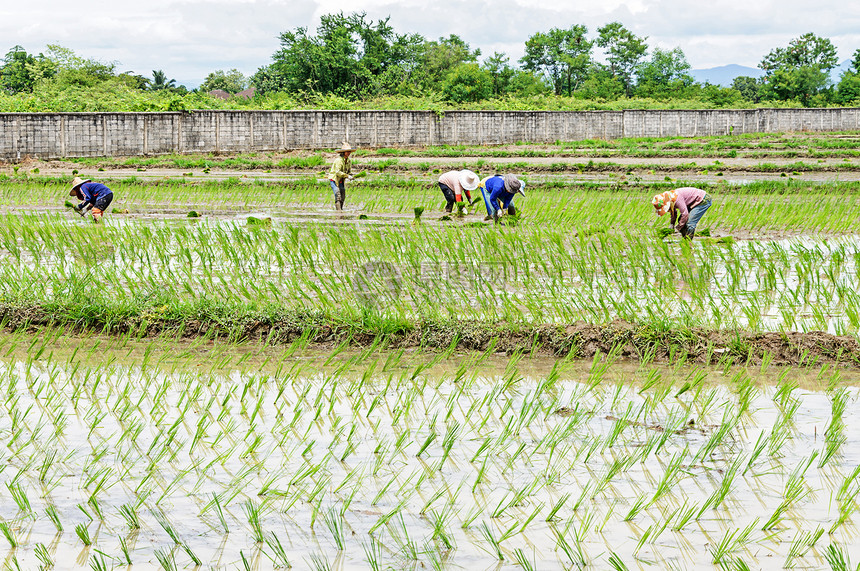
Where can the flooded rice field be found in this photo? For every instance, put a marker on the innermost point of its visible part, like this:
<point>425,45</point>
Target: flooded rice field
<point>137,454</point>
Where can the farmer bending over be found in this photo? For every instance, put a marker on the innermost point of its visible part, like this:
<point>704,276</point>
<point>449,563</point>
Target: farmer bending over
<point>498,189</point>
<point>93,195</point>
<point>686,206</point>
<point>456,183</point>
<point>341,170</point>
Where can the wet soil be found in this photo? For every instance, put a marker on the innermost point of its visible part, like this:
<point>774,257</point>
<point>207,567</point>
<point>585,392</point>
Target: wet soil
<point>631,341</point>
<point>584,167</point>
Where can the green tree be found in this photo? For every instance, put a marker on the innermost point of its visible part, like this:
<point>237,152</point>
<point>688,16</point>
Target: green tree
<point>806,51</point>
<point>437,58</point>
<point>21,71</point>
<point>801,84</point>
<point>719,96</point>
<point>800,71</point>
<point>562,56</point>
<point>848,88</point>
<point>230,81</point>
<point>75,71</point>
<point>346,57</point>
<point>666,75</point>
<point>749,87</point>
<point>133,80</point>
<point>499,68</point>
<point>601,83</point>
<point>624,51</point>
<point>159,81</point>
<point>466,83</point>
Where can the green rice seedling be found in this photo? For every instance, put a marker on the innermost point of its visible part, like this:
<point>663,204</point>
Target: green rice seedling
<point>372,553</point>
<point>129,514</point>
<point>334,522</point>
<point>636,508</point>
<point>575,552</point>
<point>9,534</point>
<point>165,559</point>
<point>617,563</point>
<point>43,555</point>
<point>126,553</point>
<point>187,549</point>
<point>83,534</point>
<point>733,540</point>
<point>795,490</point>
<point>553,512</point>
<point>252,512</point>
<point>279,554</point>
<point>51,512</point>
<point>97,562</point>
<point>801,544</point>
<point>165,524</point>
<point>523,560</point>
<point>19,496</point>
<point>838,559</point>
<point>319,562</point>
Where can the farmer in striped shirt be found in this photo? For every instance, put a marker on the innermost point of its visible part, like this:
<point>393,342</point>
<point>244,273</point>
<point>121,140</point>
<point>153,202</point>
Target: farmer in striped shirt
<point>686,206</point>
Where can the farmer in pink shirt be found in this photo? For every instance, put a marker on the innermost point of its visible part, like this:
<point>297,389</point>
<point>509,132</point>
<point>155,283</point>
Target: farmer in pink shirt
<point>686,206</point>
<point>455,184</point>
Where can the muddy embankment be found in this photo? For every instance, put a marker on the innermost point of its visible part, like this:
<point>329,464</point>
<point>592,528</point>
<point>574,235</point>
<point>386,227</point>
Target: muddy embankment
<point>631,341</point>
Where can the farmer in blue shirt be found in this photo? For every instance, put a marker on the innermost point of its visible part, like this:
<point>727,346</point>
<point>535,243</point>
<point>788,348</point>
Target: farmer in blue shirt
<point>498,189</point>
<point>93,195</point>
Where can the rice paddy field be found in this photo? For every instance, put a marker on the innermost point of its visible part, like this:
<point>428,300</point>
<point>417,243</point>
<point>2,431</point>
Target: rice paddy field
<point>228,374</point>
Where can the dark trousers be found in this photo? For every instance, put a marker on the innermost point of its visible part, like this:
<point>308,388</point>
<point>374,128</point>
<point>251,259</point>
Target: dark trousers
<point>450,198</point>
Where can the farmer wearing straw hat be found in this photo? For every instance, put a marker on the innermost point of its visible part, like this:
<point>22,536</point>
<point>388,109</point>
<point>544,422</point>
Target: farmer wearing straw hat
<point>501,189</point>
<point>93,195</point>
<point>341,170</point>
<point>686,205</point>
<point>455,184</point>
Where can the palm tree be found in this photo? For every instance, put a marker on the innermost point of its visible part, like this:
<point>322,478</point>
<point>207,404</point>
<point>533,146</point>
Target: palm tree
<point>160,81</point>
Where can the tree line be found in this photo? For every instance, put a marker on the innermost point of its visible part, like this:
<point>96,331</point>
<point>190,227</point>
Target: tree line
<point>354,58</point>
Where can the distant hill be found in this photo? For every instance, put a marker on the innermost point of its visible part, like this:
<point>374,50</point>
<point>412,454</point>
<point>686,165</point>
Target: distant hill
<point>724,74</point>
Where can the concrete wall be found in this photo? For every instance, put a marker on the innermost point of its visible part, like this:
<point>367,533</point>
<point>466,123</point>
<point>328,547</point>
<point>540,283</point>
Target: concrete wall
<point>54,135</point>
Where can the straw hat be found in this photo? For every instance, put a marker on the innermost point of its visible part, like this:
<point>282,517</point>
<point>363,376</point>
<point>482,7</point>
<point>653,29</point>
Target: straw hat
<point>345,148</point>
<point>76,183</point>
<point>664,201</point>
<point>468,180</point>
<point>514,185</point>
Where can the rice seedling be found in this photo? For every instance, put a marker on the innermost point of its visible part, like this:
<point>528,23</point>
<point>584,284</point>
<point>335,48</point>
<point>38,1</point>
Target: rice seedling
<point>9,534</point>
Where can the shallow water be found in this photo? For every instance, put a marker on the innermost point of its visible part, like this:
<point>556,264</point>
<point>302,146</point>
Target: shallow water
<point>411,454</point>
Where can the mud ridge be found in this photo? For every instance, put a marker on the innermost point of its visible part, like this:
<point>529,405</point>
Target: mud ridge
<point>631,341</point>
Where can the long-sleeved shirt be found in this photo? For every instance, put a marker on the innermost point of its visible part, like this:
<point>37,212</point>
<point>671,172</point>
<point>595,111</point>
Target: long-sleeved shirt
<point>688,198</point>
<point>92,191</point>
<point>495,185</point>
<point>340,168</point>
<point>451,179</point>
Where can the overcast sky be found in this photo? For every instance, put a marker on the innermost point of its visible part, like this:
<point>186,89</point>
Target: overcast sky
<point>188,39</point>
